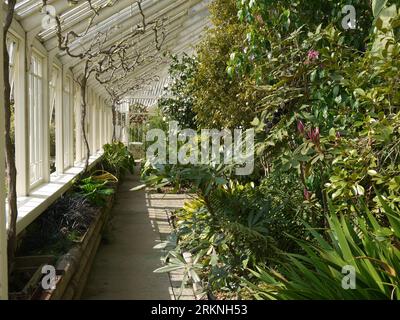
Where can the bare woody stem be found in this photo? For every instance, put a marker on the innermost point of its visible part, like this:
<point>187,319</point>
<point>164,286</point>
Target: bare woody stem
<point>10,146</point>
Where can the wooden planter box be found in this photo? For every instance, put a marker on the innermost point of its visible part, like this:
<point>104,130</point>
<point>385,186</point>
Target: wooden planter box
<point>30,267</point>
<point>73,268</point>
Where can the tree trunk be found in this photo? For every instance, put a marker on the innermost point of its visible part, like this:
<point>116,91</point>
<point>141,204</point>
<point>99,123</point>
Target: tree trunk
<point>10,147</point>
<point>83,121</point>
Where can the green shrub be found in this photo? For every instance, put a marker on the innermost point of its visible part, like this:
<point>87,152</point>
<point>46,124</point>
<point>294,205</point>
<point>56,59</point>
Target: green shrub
<point>117,159</point>
<point>178,105</point>
<point>230,226</point>
<point>325,104</point>
<point>221,101</point>
<point>371,248</point>
<point>97,187</point>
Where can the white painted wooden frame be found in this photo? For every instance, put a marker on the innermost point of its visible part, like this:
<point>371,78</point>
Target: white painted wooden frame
<point>98,124</point>
<point>68,115</point>
<point>93,124</point>
<point>78,127</point>
<point>21,112</point>
<point>59,123</point>
<point>38,145</point>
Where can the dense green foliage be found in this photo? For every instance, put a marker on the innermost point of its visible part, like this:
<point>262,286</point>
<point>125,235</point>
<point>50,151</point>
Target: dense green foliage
<point>117,159</point>
<point>371,249</point>
<point>66,221</point>
<point>325,103</point>
<point>178,105</point>
<point>231,226</point>
<point>221,101</point>
<point>97,187</point>
<point>59,227</point>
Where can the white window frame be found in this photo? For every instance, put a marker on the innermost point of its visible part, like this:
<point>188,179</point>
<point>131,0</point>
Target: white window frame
<point>13,52</point>
<point>55,104</point>
<point>96,123</point>
<point>93,123</point>
<point>36,103</point>
<point>68,109</point>
<point>78,127</point>
<point>17,34</point>
<point>33,198</point>
<point>102,124</point>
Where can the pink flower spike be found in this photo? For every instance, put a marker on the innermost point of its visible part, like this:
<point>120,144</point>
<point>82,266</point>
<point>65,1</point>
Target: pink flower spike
<point>300,127</point>
<point>313,55</point>
<point>307,194</point>
<point>316,136</point>
<point>310,134</point>
<point>260,19</point>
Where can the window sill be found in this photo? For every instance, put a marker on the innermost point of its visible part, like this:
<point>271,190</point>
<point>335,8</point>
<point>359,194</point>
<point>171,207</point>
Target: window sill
<point>43,196</point>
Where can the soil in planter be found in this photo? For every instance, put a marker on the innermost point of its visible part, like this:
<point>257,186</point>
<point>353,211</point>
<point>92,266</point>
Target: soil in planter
<point>26,276</point>
<point>19,280</point>
<point>168,189</point>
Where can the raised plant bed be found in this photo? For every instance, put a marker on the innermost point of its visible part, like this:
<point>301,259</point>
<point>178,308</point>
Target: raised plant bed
<point>70,231</point>
<point>27,276</point>
<point>73,268</point>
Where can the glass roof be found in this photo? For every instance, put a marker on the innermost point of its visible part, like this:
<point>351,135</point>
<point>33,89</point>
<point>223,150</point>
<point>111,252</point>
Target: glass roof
<point>185,22</point>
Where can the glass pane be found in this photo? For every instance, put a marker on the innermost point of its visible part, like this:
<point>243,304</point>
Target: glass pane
<point>35,121</point>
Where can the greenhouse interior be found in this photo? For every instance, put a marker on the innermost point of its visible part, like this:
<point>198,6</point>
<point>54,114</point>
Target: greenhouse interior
<point>200,150</point>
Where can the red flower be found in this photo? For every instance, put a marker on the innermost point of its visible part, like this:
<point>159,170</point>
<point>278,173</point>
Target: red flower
<point>259,19</point>
<point>313,55</point>
<point>300,127</point>
<point>314,136</point>
<point>307,194</point>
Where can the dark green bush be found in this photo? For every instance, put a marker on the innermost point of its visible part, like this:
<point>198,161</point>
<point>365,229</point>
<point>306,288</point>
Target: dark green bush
<point>117,159</point>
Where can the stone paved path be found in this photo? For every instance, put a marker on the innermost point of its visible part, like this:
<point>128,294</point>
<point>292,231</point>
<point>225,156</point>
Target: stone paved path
<point>123,267</point>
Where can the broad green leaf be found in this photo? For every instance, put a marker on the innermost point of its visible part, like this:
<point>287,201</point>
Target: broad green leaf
<point>377,6</point>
